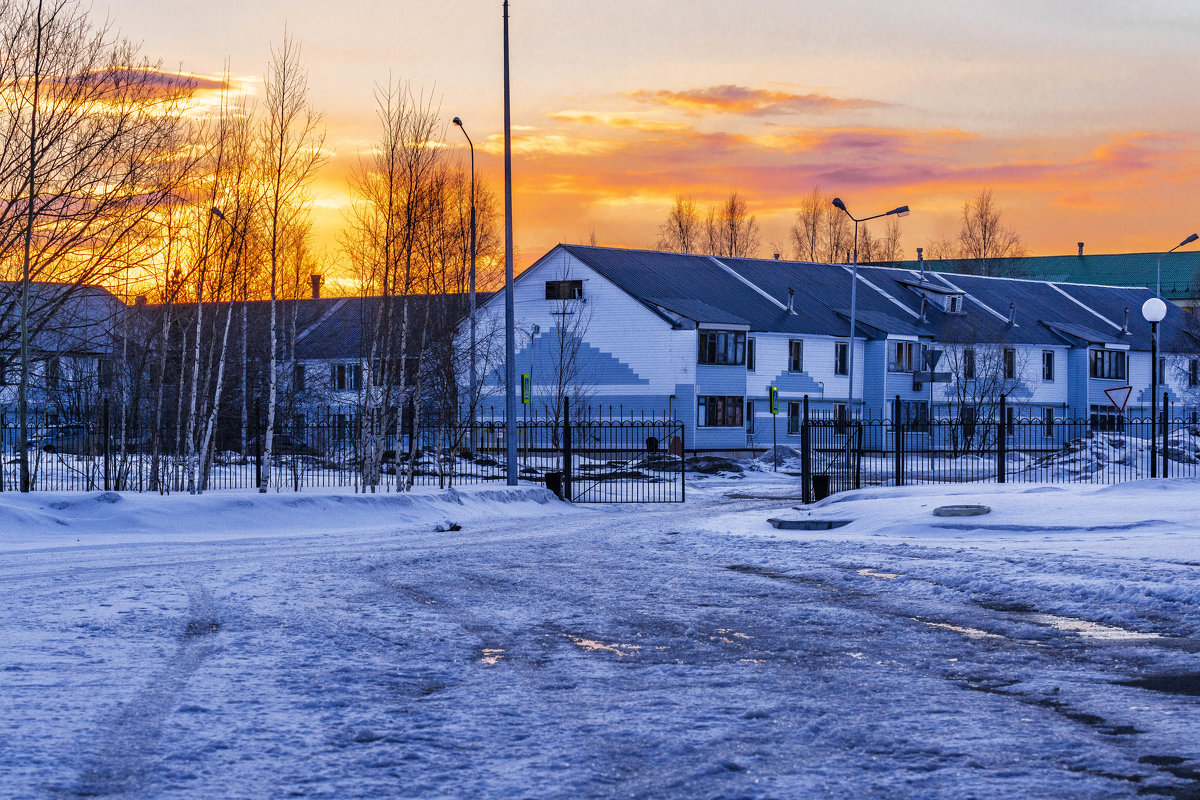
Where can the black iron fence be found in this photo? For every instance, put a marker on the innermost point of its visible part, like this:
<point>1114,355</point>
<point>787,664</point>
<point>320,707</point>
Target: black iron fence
<point>840,454</point>
<point>585,460</point>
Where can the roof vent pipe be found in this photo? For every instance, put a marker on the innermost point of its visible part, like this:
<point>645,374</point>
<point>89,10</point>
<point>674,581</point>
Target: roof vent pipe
<point>1012,313</point>
<point>1080,248</point>
<point>924,306</point>
<point>1125,327</point>
<point>921,262</point>
<point>791,301</point>
<point>316,280</point>
<point>777,256</point>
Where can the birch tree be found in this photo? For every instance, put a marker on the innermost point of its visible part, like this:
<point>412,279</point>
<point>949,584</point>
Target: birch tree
<point>291,141</point>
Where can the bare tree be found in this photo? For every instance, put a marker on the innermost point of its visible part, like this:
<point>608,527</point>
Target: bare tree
<point>731,230</point>
<point>837,238</point>
<point>291,141</point>
<point>980,372</point>
<point>888,247</point>
<point>808,229</point>
<point>565,375</point>
<point>681,232</point>
<point>88,140</point>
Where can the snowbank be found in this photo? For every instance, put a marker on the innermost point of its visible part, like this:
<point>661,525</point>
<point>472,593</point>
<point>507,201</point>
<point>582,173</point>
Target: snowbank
<point>51,519</point>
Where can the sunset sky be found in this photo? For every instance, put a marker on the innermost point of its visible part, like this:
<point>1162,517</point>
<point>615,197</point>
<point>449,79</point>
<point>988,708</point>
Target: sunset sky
<point>1079,114</point>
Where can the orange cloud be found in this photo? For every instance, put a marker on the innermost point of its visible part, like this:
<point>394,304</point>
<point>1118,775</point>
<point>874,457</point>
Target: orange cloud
<point>620,121</point>
<point>1088,201</point>
<point>731,99</point>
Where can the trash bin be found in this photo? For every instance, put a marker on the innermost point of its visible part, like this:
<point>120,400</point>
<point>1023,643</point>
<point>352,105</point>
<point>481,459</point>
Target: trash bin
<point>820,486</point>
<point>554,483</point>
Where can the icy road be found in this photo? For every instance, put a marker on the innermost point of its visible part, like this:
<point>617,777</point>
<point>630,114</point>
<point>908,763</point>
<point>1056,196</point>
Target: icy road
<point>545,651</point>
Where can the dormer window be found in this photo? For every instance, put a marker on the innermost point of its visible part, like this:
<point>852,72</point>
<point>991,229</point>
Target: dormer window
<point>564,290</point>
<point>954,304</point>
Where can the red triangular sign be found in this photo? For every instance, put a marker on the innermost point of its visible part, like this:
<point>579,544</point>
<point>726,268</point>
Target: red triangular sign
<point>1119,396</point>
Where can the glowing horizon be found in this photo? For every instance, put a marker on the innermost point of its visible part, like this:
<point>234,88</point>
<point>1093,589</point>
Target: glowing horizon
<point>616,111</point>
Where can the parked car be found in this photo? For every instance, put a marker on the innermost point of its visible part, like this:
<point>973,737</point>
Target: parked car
<point>75,439</point>
<point>283,444</point>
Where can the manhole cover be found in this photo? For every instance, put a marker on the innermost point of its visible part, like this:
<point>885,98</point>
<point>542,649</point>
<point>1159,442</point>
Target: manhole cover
<point>808,524</point>
<point>961,511</point>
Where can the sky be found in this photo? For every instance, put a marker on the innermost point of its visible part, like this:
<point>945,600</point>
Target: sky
<point>1075,113</point>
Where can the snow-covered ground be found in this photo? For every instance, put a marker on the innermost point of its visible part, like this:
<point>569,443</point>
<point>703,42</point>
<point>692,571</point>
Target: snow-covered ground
<point>332,645</point>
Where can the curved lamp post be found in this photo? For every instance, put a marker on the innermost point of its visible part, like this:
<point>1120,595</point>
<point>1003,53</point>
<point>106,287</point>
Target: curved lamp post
<point>1158,272</point>
<point>472,398</point>
<point>1154,311</point>
<point>902,211</point>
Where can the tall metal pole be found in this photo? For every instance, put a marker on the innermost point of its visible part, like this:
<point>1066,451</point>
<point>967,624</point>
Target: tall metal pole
<point>510,336</point>
<point>1153,399</point>
<point>852,411</point>
<point>23,391</point>
<point>472,398</point>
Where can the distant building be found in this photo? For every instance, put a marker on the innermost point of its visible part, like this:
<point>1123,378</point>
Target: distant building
<point>704,339</point>
<point>1180,271</point>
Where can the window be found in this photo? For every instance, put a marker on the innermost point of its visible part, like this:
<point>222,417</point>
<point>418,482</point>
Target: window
<point>841,417</point>
<point>1010,420</point>
<point>750,355</point>
<point>1193,373</point>
<point>1107,364</point>
<point>1010,364</point>
<point>900,356</point>
<point>915,414</point>
<point>967,418</point>
<point>750,414</point>
<point>564,290</point>
<point>969,364</point>
<point>722,347</point>
<point>1162,369</point>
<point>1048,366</point>
<point>795,410</point>
<point>719,412</point>
<point>841,358</point>
<point>1047,421</point>
<point>52,373</point>
<point>104,372</point>
<point>1107,418</point>
<point>345,377</point>
<point>298,378</point>
<point>953,304</point>
<point>795,355</point>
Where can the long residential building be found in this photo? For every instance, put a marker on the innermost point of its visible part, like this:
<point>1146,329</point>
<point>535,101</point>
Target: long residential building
<point>706,339</point>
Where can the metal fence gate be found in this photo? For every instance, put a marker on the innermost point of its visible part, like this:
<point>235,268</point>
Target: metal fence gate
<point>585,460</point>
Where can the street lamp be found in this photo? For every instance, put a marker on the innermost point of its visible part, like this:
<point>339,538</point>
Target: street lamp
<point>472,398</point>
<point>510,314</point>
<point>902,211</point>
<point>1154,311</point>
<point>1158,272</point>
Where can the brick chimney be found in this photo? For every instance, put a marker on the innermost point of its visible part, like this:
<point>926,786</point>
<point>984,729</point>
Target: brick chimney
<point>317,280</point>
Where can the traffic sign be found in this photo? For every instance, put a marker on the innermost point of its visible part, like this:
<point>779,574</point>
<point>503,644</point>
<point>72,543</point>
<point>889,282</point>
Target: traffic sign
<point>1119,396</point>
<point>526,388</point>
<point>774,400</point>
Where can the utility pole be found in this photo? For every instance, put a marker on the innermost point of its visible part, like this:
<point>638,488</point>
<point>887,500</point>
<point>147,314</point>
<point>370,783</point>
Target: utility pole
<point>23,391</point>
<point>510,344</point>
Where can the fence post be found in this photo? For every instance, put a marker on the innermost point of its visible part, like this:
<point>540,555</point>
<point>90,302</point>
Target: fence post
<point>898,441</point>
<point>258,446</point>
<point>566,478</point>
<point>1165,417</point>
<point>1001,440</point>
<point>104,444</point>
<point>806,456</point>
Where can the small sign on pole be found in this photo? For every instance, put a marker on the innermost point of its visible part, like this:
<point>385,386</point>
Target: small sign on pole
<point>526,388</point>
<point>1119,396</point>
<point>774,400</point>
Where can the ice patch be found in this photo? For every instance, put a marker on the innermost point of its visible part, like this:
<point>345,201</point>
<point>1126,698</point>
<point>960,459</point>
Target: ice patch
<point>1087,629</point>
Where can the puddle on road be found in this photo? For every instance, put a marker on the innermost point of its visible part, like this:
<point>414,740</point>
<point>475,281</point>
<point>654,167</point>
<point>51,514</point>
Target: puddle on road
<point>492,655</point>
<point>1088,630</point>
<point>593,646</point>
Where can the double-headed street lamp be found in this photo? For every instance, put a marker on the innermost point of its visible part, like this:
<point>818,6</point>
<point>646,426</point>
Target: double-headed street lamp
<point>902,211</point>
<point>471,400</point>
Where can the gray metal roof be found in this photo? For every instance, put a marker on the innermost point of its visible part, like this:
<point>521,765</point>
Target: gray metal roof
<point>705,289</point>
